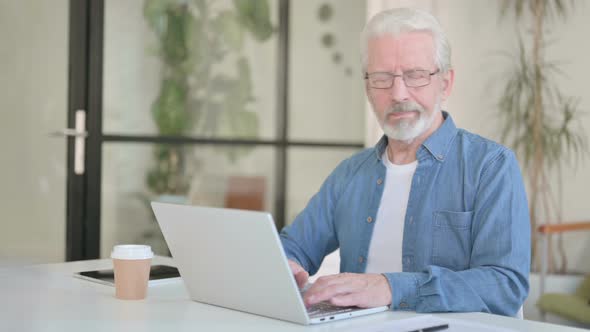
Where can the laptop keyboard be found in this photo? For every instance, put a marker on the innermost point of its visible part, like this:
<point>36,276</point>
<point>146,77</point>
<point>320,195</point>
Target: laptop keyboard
<point>326,309</point>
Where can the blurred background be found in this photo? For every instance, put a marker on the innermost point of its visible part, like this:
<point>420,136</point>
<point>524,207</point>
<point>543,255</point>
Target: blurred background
<point>251,104</point>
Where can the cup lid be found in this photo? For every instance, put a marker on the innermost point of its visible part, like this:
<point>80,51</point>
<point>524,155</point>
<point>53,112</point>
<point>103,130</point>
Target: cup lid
<point>132,251</point>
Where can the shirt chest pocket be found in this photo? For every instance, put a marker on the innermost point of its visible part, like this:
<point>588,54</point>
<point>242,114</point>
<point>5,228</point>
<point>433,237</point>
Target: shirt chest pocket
<point>451,246</point>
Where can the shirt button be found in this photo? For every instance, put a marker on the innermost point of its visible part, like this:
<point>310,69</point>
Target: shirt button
<point>369,219</point>
<point>407,260</point>
<point>379,181</point>
<point>361,259</point>
<point>411,220</point>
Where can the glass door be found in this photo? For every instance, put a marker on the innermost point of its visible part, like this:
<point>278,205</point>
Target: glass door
<point>189,99</point>
<point>188,102</point>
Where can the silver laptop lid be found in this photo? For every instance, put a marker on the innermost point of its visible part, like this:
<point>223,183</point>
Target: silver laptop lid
<point>231,258</point>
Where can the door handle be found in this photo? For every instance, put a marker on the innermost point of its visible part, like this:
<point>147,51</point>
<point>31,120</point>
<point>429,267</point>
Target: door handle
<point>79,133</point>
<point>69,132</point>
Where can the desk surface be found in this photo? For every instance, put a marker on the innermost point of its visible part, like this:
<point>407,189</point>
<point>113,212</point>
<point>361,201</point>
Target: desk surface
<point>48,298</point>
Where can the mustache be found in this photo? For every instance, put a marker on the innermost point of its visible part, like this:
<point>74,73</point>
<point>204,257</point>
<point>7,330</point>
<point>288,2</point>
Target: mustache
<point>408,106</point>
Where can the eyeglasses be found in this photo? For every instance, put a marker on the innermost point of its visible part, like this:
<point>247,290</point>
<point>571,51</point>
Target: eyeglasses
<point>412,78</point>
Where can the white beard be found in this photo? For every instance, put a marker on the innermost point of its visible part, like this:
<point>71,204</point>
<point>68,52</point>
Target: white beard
<point>407,130</point>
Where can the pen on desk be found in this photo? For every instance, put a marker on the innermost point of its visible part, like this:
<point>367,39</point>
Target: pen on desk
<point>432,328</point>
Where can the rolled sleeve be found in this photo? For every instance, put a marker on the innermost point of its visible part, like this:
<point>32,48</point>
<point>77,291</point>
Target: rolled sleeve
<point>405,288</point>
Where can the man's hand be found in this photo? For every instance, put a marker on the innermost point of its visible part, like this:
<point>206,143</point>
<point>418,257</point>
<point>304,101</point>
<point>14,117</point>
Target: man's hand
<point>299,273</point>
<point>350,289</point>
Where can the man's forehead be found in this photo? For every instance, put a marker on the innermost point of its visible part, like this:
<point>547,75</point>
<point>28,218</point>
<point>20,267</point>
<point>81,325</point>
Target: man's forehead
<point>423,39</point>
<point>406,49</point>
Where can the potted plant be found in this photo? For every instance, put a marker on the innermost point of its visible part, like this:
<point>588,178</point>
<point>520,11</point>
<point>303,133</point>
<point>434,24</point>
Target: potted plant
<point>539,121</point>
<point>198,41</point>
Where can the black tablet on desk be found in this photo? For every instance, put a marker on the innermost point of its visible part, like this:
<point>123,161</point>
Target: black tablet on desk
<point>158,274</point>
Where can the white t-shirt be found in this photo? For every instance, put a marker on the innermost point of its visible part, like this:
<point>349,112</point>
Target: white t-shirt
<point>385,250</point>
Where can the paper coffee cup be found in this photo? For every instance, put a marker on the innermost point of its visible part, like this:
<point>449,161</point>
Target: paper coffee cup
<point>132,270</point>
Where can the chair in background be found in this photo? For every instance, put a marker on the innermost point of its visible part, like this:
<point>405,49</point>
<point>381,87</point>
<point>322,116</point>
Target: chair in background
<point>575,307</point>
<point>245,192</point>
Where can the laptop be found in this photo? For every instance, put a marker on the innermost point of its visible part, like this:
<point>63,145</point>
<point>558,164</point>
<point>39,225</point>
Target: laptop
<point>234,259</point>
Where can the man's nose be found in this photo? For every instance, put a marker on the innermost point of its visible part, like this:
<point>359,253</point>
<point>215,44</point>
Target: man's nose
<point>399,91</point>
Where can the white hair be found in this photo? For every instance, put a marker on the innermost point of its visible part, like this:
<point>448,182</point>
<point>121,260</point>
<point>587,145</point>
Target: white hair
<point>396,21</point>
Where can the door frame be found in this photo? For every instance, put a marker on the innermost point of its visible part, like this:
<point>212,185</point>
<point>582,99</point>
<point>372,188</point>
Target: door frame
<point>84,93</point>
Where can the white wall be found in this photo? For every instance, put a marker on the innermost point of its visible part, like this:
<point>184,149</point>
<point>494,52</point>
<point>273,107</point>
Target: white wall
<point>325,98</point>
<point>33,97</point>
<point>325,102</point>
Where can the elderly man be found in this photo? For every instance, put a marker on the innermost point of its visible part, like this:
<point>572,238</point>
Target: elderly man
<point>433,218</point>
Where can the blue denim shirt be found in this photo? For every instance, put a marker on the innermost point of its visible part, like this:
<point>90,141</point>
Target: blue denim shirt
<point>466,237</point>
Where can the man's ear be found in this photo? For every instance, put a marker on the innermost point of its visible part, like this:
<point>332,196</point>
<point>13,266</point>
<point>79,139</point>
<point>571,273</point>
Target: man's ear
<point>448,79</point>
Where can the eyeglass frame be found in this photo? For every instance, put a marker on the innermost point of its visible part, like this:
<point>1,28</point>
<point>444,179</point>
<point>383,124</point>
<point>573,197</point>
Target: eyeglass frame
<point>393,76</point>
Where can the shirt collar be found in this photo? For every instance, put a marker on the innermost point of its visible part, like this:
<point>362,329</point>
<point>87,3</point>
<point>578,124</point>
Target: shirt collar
<point>380,147</point>
<point>437,144</point>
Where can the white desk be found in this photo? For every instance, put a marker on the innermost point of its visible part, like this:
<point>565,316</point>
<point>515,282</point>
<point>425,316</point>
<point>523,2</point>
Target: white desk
<point>48,298</point>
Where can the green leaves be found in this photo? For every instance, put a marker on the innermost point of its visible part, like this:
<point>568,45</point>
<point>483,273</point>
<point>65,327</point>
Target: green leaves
<point>165,176</point>
<point>228,26</point>
<point>201,93</point>
<point>169,110</point>
<point>531,94</point>
<point>154,12</point>
<point>550,8</point>
<point>562,138</point>
<point>235,118</point>
<point>175,37</point>
<point>325,12</point>
<point>196,42</point>
<point>172,22</point>
<point>254,15</point>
